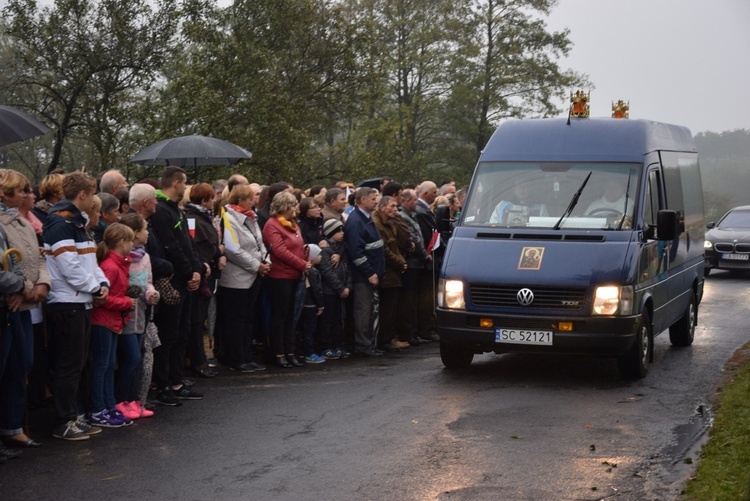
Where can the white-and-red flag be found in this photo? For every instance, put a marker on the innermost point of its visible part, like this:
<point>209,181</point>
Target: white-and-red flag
<point>434,242</point>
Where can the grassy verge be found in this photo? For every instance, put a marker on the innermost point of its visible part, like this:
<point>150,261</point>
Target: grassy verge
<point>723,471</point>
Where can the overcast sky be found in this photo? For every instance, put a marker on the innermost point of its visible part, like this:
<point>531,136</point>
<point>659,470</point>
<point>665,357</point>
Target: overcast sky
<point>678,61</point>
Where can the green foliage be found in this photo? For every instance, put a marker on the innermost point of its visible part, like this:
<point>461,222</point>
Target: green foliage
<point>724,468</point>
<point>84,65</point>
<point>317,90</point>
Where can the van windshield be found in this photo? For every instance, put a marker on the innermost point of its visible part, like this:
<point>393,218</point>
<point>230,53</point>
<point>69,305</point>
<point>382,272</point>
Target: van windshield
<point>539,195</point>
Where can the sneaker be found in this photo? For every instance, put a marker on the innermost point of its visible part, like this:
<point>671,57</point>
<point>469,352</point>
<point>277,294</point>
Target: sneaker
<point>85,427</point>
<point>246,368</point>
<point>114,414</point>
<point>127,410</point>
<point>315,359</point>
<point>104,420</point>
<point>341,352</point>
<point>167,397</point>
<point>185,393</point>
<point>142,411</point>
<point>257,366</point>
<point>188,382</point>
<point>70,431</point>
<point>331,354</point>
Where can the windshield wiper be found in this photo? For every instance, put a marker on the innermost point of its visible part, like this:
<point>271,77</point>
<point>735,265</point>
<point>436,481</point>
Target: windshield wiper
<point>572,204</point>
<point>624,215</point>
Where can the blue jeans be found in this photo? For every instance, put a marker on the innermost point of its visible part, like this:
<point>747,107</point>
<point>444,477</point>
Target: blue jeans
<point>17,352</point>
<point>128,359</point>
<point>102,352</point>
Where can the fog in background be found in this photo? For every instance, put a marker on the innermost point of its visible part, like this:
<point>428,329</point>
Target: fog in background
<point>678,61</point>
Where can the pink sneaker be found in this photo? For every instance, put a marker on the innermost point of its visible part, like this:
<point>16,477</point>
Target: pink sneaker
<point>142,411</point>
<point>127,410</point>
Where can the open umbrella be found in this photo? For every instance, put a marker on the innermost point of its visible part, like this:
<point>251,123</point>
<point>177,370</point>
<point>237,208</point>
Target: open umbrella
<point>370,183</point>
<point>16,125</point>
<point>195,151</point>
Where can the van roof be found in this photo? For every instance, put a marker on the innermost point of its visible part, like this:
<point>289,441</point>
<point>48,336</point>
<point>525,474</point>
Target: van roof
<point>584,140</point>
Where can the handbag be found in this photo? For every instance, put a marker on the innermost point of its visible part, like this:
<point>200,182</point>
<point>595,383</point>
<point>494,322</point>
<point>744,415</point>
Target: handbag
<point>167,292</point>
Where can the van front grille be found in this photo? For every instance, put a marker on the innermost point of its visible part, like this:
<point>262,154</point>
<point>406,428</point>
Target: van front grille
<point>506,296</point>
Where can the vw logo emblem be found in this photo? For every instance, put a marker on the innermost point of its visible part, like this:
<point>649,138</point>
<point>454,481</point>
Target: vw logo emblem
<point>525,297</point>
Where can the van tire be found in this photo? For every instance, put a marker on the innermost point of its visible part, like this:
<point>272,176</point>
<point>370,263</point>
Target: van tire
<point>682,332</point>
<point>634,364</point>
<point>455,357</point>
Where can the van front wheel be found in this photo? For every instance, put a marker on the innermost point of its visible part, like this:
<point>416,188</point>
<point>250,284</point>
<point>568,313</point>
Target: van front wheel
<point>455,357</point>
<point>682,332</point>
<point>634,364</point>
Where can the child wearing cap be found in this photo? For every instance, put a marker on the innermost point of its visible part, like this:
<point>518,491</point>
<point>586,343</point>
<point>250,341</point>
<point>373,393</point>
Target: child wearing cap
<point>337,284</point>
<point>312,307</point>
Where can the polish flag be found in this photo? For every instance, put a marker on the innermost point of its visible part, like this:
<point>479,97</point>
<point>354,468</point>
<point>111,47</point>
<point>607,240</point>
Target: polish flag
<point>191,227</point>
<point>434,242</point>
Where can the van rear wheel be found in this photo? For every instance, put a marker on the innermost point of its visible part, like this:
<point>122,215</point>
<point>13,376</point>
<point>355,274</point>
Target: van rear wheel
<point>634,364</point>
<point>682,332</point>
<point>455,357</point>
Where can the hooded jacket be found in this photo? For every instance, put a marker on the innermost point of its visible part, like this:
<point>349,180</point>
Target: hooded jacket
<point>74,273</point>
<point>114,312</point>
<point>171,231</point>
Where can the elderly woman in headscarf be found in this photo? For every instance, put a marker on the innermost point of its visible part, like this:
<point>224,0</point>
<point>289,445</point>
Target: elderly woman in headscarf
<point>18,341</point>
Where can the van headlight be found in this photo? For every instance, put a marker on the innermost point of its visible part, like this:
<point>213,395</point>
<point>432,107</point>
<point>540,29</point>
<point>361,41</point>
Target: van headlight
<point>451,294</point>
<point>613,300</point>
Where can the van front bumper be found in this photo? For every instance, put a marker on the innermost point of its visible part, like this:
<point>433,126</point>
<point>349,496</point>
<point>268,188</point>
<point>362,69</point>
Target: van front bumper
<point>590,335</point>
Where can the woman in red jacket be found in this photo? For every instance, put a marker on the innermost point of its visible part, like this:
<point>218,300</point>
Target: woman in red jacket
<point>289,261</point>
<point>107,321</point>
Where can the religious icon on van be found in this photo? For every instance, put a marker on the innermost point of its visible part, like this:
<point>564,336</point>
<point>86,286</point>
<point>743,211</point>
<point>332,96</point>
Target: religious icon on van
<point>531,258</point>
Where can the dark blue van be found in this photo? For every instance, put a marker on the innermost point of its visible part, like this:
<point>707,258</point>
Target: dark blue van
<point>582,236</point>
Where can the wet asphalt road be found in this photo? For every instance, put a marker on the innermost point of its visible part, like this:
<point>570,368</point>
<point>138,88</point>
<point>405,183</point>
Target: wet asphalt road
<point>512,427</point>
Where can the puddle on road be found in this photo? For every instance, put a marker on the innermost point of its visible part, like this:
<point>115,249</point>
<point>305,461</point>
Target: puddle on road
<point>676,462</point>
<point>689,437</point>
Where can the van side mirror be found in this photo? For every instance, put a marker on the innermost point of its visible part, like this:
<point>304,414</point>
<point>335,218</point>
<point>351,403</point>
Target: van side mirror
<point>666,225</point>
<point>443,219</point>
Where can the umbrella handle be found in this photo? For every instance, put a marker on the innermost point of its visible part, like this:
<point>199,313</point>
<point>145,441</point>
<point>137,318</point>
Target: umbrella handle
<point>6,256</point>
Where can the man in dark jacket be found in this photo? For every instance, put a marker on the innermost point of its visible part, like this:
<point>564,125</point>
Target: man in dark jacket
<point>425,289</point>
<point>368,268</point>
<point>170,227</point>
<point>418,261</point>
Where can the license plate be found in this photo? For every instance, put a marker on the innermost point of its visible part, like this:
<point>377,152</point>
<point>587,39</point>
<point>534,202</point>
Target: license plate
<point>521,336</point>
<point>735,257</point>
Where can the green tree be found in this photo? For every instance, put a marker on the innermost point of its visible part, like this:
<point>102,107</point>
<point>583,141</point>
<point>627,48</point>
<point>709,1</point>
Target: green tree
<point>512,71</point>
<point>83,63</point>
<point>268,75</point>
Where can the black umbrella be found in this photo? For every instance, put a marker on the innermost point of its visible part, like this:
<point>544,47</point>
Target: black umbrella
<point>16,125</point>
<point>187,151</point>
<point>370,183</point>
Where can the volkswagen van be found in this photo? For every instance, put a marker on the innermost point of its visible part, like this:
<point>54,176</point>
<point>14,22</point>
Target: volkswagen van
<point>579,236</point>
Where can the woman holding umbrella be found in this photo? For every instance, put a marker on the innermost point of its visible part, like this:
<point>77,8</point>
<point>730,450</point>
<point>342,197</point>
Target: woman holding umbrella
<point>18,341</point>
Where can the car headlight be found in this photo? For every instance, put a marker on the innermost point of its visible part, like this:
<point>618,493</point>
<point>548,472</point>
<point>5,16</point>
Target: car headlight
<point>451,294</point>
<point>708,244</point>
<point>613,300</point>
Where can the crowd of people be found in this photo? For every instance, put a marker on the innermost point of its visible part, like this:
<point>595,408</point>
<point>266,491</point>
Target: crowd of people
<point>110,291</point>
